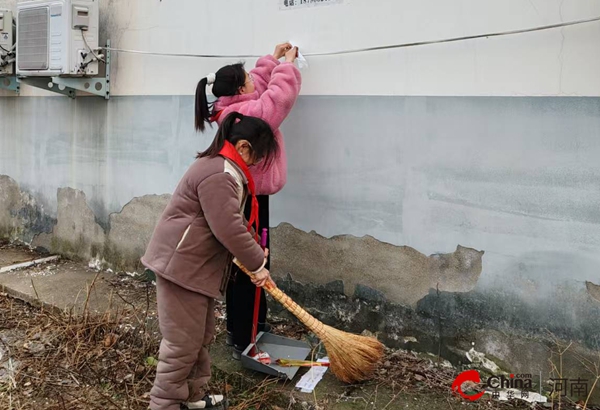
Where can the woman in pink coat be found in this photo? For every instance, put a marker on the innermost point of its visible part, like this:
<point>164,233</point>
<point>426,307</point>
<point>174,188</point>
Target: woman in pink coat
<point>268,92</point>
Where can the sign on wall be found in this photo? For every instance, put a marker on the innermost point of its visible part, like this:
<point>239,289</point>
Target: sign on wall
<point>297,4</point>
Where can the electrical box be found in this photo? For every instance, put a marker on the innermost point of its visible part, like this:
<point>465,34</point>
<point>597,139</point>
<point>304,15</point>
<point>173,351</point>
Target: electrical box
<point>81,17</point>
<point>5,15</point>
<point>57,38</point>
<point>7,43</point>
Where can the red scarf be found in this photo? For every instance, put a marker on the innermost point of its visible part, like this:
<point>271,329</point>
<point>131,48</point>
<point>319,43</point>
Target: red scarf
<point>228,151</point>
<point>216,116</point>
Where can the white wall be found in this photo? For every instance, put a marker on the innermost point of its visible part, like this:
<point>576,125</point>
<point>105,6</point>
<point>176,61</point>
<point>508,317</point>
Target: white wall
<point>555,62</point>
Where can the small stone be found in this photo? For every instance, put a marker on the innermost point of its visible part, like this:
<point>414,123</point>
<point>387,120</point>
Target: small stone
<point>34,347</point>
<point>369,294</point>
<point>367,333</point>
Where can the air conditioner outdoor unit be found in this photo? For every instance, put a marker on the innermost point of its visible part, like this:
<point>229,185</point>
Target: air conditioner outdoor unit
<point>57,38</point>
<point>7,43</point>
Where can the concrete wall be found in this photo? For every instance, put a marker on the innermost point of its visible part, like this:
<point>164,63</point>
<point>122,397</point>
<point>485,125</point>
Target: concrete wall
<point>429,195</point>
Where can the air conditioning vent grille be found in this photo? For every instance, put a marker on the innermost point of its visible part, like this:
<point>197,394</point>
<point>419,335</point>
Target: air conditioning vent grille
<point>33,39</point>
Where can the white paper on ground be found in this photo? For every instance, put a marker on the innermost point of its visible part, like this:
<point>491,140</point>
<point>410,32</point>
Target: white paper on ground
<point>516,394</point>
<point>309,381</point>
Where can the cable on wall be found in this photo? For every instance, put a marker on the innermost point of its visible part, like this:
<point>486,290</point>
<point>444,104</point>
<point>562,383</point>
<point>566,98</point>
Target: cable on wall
<point>361,50</point>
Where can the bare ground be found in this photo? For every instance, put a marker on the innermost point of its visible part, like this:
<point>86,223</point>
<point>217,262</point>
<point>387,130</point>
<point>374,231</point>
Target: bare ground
<point>56,359</point>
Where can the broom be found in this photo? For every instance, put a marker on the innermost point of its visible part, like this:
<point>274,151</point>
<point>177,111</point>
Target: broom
<point>352,358</point>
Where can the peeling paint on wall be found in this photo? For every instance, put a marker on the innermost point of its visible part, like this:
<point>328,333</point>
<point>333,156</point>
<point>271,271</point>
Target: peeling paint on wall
<point>593,290</point>
<point>76,234</point>
<point>21,216</point>
<point>131,230</point>
<point>403,274</point>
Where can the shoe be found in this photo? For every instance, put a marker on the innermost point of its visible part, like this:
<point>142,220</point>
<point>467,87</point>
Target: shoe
<point>210,401</point>
<point>237,352</point>
<point>262,327</point>
<point>265,327</point>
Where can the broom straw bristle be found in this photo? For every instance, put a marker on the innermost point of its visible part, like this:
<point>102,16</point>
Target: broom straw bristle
<point>353,358</point>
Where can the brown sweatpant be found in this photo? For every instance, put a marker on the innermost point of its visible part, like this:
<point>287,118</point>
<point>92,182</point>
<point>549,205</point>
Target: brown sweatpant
<point>187,324</point>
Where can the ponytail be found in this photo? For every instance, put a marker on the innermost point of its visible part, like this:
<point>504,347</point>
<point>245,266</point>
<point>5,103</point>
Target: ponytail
<point>223,134</point>
<point>227,82</point>
<point>238,127</point>
<point>202,111</point>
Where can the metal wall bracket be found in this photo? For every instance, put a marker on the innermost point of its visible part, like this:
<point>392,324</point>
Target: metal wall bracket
<point>10,83</point>
<point>48,85</point>
<point>69,86</point>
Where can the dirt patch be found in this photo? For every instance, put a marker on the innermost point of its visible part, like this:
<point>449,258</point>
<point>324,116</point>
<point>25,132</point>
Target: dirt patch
<point>11,254</point>
<point>61,361</point>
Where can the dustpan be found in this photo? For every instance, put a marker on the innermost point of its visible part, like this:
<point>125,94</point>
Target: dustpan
<point>278,347</point>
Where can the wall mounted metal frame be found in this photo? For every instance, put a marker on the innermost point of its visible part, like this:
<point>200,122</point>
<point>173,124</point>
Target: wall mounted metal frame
<point>48,85</point>
<point>69,86</point>
<point>10,83</point>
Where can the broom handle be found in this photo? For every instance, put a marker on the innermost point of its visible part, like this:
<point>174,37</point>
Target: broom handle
<point>257,295</point>
<point>255,315</point>
<point>254,350</point>
<point>309,321</point>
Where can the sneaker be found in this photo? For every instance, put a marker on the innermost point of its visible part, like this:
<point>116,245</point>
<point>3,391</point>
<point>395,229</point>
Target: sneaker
<point>229,339</point>
<point>210,401</point>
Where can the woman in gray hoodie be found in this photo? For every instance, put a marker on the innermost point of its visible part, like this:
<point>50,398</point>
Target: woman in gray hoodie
<point>202,228</point>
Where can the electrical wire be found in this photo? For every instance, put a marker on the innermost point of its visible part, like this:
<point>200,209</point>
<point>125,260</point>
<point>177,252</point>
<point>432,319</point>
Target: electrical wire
<point>11,49</point>
<point>5,59</point>
<point>360,50</point>
<point>89,48</point>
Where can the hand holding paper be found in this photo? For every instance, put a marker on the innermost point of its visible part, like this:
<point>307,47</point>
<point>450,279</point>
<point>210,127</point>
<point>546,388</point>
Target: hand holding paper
<point>302,63</point>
